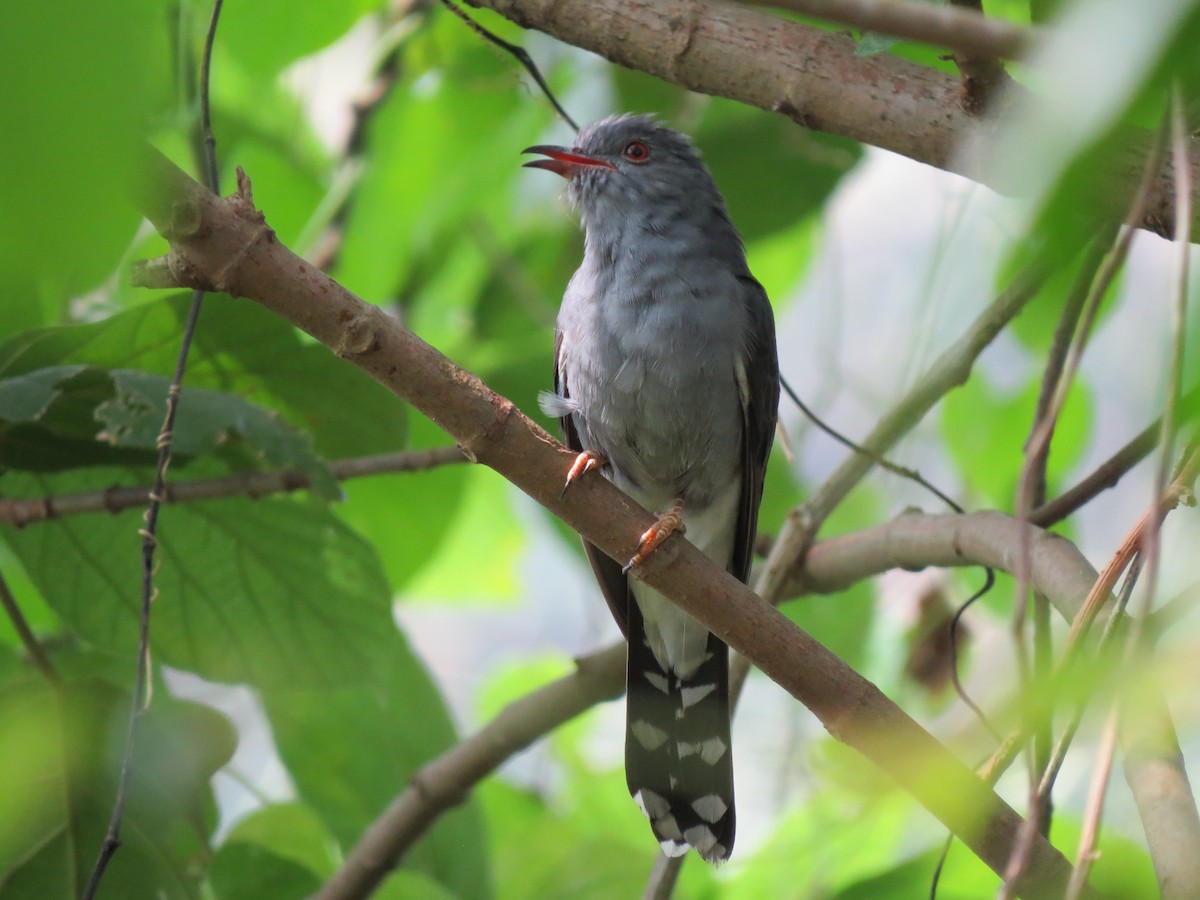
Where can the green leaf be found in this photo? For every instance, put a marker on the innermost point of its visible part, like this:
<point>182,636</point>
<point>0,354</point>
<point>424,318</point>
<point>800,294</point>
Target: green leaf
<point>1099,88</point>
<point>480,552</point>
<point>249,591</point>
<point>246,871</point>
<point>291,831</point>
<point>264,34</point>
<point>205,421</point>
<point>426,172</point>
<point>351,750</point>
<point>90,76</point>
<point>125,408</point>
<point>62,752</point>
<point>985,431</point>
<point>240,348</point>
<point>406,518</point>
<point>754,157</point>
<point>27,397</point>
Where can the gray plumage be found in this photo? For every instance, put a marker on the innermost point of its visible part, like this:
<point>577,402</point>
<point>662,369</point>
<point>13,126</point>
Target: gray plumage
<point>665,365</point>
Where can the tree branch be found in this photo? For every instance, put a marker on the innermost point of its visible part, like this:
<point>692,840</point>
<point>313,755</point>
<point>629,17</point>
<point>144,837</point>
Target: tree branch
<point>22,512</point>
<point>1154,766</point>
<point>813,77</point>
<point>943,26</point>
<point>226,245</point>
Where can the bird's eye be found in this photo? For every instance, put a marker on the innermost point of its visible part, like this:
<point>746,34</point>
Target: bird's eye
<point>636,152</point>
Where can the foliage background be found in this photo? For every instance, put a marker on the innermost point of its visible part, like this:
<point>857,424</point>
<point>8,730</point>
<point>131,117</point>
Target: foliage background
<point>372,622</point>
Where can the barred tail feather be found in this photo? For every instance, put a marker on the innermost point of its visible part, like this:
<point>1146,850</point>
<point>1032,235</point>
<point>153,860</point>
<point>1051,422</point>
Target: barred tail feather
<point>678,757</point>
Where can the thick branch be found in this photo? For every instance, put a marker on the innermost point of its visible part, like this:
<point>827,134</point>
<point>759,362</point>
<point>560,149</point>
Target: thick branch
<point>914,540</point>
<point>226,245</point>
<point>813,77</point>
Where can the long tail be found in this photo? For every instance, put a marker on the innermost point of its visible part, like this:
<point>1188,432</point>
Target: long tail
<point>678,758</point>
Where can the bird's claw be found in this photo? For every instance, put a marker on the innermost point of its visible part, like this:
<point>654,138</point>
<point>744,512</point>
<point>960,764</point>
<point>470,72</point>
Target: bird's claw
<point>654,536</point>
<point>584,463</point>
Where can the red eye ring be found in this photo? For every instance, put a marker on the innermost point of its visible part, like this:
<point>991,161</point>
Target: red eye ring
<point>636,152</point>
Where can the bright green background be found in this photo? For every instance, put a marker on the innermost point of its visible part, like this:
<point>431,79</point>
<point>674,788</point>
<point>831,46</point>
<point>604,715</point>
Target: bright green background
<point>292,595</point>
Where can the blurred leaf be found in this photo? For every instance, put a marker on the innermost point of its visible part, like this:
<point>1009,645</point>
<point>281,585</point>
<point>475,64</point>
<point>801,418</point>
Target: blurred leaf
<point>406,518</point>
<point>963,878</point>
<point>62,755</point>
<point>1036,325</point>
<point>249,591</point>
<point>519,679</point>
<point>90,76</point>
<point>350,750</point>
<point>1121,867</point>
<point>206,420</point>
<point>426,170</point>
<point>771,172</point>
<point>986,431</point>
<point>246,871</point>
<point>264,34</point>
<point>1099,88</point>
<point>290,831</point>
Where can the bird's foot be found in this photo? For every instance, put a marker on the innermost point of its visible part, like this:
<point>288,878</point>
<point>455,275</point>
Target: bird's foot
<point>667,524</point>
<point>584,463</point>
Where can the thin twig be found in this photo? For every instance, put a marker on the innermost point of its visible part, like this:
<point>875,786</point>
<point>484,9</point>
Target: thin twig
<point>37,655</point>
<point>951,369</point>
<point>519,54</point>
<point>22,512</point>
<point>1151,544</point>
<point>1031,492</point>
<point>1037,451</point>
<point>942,26</point>
<point>981,75</point>
<point>112,836</point>
<point>1109,472</point>
<point>1075,716</point>
<point>1094,807</point>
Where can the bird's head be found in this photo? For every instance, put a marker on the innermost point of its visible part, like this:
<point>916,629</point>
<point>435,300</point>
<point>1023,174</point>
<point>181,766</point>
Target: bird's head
<point>624,165</point>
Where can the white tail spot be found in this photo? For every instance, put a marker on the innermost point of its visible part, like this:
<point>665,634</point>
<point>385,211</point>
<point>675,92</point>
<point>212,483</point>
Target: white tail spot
<point>693,695</point>
<point>710,807</point>
<point>712,750</point>
<point>702,838</point>
<point>647,735</point>
<point>657,680</point>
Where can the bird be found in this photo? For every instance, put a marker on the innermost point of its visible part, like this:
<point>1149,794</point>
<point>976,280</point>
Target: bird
<point>666,380</point>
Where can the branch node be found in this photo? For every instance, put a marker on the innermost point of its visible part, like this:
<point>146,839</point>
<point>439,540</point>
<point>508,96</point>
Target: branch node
<point>490,432</point>
<point>186,221</point>
<point>245,190</point>
<point>360,334</point>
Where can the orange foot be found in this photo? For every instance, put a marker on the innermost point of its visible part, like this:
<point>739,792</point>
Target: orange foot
<point>584,463</point>
<point>667,524</point>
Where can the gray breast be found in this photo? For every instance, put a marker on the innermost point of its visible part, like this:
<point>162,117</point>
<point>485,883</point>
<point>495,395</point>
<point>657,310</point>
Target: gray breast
<point>652,376</point>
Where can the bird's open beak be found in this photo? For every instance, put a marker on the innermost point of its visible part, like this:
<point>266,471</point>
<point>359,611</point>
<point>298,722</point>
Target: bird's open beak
<point>563,161</point>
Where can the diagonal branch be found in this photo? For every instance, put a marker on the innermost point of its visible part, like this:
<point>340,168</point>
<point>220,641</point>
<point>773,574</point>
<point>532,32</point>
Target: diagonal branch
<point>813,77</point>
<point>1154,767</point>
<point>226,245</point>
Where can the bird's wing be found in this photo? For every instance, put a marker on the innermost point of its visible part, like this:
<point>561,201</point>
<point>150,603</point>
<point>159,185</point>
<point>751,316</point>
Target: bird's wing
<point>758,387</point>
<point>613,582</point>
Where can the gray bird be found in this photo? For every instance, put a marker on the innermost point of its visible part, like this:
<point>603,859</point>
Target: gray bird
<point>667,379</point>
